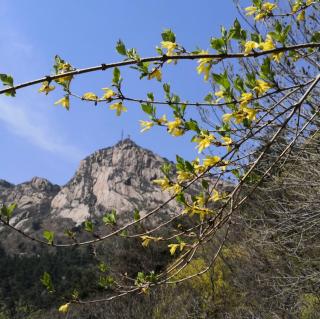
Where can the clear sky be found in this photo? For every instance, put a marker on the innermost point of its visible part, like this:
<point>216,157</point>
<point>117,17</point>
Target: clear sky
<point>38,138</point>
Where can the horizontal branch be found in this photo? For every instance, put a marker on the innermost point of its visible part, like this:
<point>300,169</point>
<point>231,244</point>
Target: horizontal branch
<point>162,58</point>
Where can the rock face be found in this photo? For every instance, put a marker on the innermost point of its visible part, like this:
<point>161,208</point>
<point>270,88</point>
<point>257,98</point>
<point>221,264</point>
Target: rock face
<point>33,199</point>
<point>118,177</point>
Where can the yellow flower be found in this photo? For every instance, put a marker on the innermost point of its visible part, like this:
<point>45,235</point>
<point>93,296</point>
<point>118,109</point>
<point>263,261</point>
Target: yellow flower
<point>89,96</point>
<point>251,10</point>
<point>184,176</point>
<point>170,46</point>
<point>227,117</point>
<point>173,247</point>
<point>245,99</point>
<point>64,102</point>
<point>227,140</point>
<point>250,114</point>
<point>309,2</point>
<point>108,93</point>
<point>155,73</point>
<point>249,46</point>
<point>174,127</point>
<point>262,87</point>
<point>239,117</point>
<point>175,188</point>
<point>118,107</point>
<point>277,56</point>
<point>146,125</point>
<point>296,6</point>
<point>268,6</point>
<point>215,196</point>
<point>268,44</point>
<point>197,167</point>
<point>260,16</point>
<point>162,119</point>
<point>46,88</point>
<point>266,10</point>
<point>64,308</point>
<point>204,66</point>
<point>211,161</point>
<point>163,183</point>
<point>224,167</point>
<point>301,16</point>
<point>64,80</point>
<point>220,94</point>
<point>204,141</point>
<point>146,240</point>
<point>200,200</point>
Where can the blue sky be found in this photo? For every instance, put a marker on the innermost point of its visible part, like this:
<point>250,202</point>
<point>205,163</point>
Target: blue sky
<point>41,139</point>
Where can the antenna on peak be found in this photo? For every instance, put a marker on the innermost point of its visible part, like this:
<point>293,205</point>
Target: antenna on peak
<point>121,135</point>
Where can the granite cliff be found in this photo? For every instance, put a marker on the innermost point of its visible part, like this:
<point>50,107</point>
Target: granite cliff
<point>118,177</point>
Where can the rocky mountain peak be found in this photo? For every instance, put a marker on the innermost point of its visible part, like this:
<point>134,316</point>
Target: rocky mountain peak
<point>118,177</point>
<point>5,184</point>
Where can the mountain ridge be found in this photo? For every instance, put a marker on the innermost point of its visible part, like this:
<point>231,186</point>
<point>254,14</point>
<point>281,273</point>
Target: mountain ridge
<point>118,177</point>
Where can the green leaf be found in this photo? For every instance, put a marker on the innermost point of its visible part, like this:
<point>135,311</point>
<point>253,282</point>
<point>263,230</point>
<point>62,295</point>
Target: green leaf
<point>121,48</point>
<point>150,96</point>
<point>106,282</point>
<point>49,236</point>
<point>88,226</point>
<point>189,167</point>
<point>166,88</point>
<point>168,35</point>
<point>209,98</point>
<point>256,37</point>
<point>192,125</point>
<point>222,79</point>
<point>7,80</point>
<point>136,215</point>
<point>110,218</point>
<point>148,108</point>
<point>238,84</point>
<point>181,199</point>
<point>266,70</point>
<point>205,184</point>
<point>316,37</point>
<point>103,267</point>
<point>7,211</point>
<point>124,233</point>
<point>47,282</point>
<point>140,279</point>
<point>218,44</point>
<point>166,169</point>
<point>116,76</point>
<point>133,54</point>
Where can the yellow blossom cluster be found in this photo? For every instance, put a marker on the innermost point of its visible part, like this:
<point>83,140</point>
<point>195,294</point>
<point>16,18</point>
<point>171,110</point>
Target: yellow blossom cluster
<point>204,140</point>
<point>171,47</point>
<point>108,93</point>
<point>263,12</point>
<point>155,74</point>
<point>174,127</point>
<point>118,107</point>
<point>205,65</point>
<point>46,87</point>
<point>173,247</point>
<point>65,102</point>
<point>245,112</point>
<point>63,68</point>
<point>147,239</point>
<point>266,45</point>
